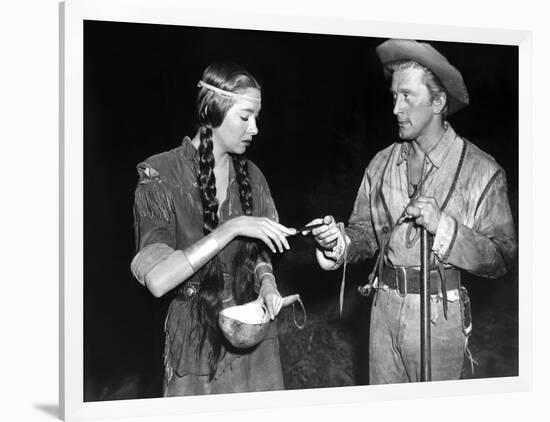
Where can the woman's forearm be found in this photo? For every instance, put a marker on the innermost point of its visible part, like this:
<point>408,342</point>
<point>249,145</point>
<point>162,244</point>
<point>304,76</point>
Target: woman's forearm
<point>161,268</point>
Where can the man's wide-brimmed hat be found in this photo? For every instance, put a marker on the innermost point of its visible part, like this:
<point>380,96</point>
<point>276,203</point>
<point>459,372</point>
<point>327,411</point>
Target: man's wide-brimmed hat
<point>426,55</point>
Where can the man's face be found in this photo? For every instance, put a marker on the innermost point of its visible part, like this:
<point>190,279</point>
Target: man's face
<point>412,103</point>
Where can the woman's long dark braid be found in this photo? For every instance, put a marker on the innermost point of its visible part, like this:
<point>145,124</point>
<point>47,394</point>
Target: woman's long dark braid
<point>247,256</point>
<point>210,296</point>
<point>209,301</point>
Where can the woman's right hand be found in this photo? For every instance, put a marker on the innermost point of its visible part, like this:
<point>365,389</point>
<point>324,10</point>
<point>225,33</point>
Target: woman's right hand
<point>270,232</point>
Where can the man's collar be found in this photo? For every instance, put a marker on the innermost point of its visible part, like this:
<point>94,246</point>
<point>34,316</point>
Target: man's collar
<point>404,153</point>
<point>440,150</point>
<point>438,153</point>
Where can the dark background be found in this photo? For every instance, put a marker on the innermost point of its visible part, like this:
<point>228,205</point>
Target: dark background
<point>326,111</point>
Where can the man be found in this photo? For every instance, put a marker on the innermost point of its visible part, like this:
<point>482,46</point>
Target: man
<point>435,179</point>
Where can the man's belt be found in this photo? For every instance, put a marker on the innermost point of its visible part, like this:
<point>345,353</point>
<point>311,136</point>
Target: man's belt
<point>407,280</point>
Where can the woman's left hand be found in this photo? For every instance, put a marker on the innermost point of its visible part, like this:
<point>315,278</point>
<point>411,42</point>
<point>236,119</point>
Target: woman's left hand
<point>271,298</point>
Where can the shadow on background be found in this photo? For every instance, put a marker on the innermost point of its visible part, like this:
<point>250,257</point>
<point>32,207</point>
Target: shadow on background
<point>49,409</point>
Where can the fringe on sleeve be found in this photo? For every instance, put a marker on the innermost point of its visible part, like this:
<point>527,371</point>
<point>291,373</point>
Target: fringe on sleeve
<point>153,198</point>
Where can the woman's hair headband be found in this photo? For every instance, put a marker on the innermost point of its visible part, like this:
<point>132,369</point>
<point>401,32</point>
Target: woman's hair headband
<point>227,93</point>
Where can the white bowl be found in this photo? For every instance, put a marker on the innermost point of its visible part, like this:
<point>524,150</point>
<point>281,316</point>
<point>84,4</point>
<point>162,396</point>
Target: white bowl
<point>244,326</point>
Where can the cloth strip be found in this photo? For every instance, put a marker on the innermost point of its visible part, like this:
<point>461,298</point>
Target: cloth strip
<point>227,93</point>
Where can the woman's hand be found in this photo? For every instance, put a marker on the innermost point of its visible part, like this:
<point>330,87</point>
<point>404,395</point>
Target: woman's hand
<point>271,297</point>
<point>270,232</point>
<point>327,235</point>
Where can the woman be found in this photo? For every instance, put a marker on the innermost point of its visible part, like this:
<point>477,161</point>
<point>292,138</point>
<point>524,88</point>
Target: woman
<point>204,219</point>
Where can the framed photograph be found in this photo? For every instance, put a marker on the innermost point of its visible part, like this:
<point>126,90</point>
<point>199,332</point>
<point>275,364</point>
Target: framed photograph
<point>132,76</point>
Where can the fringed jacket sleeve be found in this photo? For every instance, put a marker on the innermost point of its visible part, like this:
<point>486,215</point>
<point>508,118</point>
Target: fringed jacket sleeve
<point>154,219</point>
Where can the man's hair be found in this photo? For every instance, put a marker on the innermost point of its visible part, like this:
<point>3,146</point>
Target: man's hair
<point>432,82</point>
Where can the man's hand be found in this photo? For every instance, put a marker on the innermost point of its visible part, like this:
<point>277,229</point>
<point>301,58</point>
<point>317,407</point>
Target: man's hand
<point>327,235</point>
<point>426,213</point>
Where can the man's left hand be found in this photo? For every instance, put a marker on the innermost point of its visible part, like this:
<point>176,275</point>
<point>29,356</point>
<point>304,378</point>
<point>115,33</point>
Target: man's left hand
<point>426,212</point>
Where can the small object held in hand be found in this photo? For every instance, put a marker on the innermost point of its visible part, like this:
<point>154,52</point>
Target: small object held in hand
<point>404,217</point>
<point>365,290</point>
<point>308,228</point>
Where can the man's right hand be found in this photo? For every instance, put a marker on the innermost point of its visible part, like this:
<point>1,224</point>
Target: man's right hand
<point>327,235</point>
